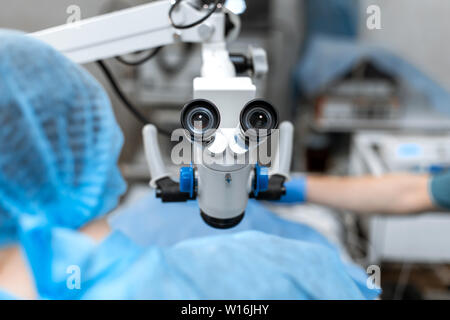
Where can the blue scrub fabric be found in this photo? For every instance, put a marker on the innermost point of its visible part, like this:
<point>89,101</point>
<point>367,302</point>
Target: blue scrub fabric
<point>440,190</point>
<point>150,222</point>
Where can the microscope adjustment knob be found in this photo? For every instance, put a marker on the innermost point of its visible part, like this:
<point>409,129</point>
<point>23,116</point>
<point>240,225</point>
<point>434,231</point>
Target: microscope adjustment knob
<point>187,180</point>
<point>261,183</point>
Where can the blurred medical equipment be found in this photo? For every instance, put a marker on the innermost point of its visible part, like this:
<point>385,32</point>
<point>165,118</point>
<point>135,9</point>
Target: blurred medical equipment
<point>347,86</point>
<point>362,95</point>
<point>394,95</point>
<point>163,84</point>
<point>212,120</point>
<point>417,239</point>
<point>59,140</point>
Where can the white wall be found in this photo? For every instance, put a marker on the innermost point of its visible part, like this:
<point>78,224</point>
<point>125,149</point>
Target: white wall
<point>418,30</point>
<point>35,15</point>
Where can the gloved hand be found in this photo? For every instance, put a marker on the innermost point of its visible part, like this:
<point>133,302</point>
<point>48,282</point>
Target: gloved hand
<point>295,191</point>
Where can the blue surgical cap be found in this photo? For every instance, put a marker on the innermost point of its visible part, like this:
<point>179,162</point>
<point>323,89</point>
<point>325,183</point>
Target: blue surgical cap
<point>59,140</point>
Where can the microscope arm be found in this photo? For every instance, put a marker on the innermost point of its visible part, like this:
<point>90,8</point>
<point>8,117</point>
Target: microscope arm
<point>282,164</point>
<point>138,28</point>
<point>166,189</point>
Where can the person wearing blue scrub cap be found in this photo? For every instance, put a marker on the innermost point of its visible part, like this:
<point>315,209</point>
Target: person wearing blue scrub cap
<point>59,141</point>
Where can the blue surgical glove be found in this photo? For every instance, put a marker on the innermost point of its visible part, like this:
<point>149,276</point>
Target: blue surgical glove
<point>295,191</point>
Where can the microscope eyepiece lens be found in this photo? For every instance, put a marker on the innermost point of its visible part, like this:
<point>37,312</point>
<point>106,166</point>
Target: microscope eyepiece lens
<point>200,118</point>
<point>259,119</point>
<point>258,115</point>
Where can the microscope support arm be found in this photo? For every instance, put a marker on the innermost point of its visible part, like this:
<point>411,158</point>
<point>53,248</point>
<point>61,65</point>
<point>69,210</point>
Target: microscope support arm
<point>138,28</point>
<point>281,165</point>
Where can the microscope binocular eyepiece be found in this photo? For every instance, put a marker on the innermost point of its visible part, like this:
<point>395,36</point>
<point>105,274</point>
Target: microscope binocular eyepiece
<point>200,118</point>
<point>258,118</point>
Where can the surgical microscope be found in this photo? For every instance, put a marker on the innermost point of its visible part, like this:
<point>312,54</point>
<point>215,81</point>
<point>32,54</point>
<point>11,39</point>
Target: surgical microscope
<point>225,125</point>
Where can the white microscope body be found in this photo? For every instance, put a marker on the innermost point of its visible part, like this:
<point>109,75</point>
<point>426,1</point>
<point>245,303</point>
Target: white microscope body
<point>224,185</point>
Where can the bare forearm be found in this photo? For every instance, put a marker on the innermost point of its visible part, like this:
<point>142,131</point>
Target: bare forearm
<point>389,194</point>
